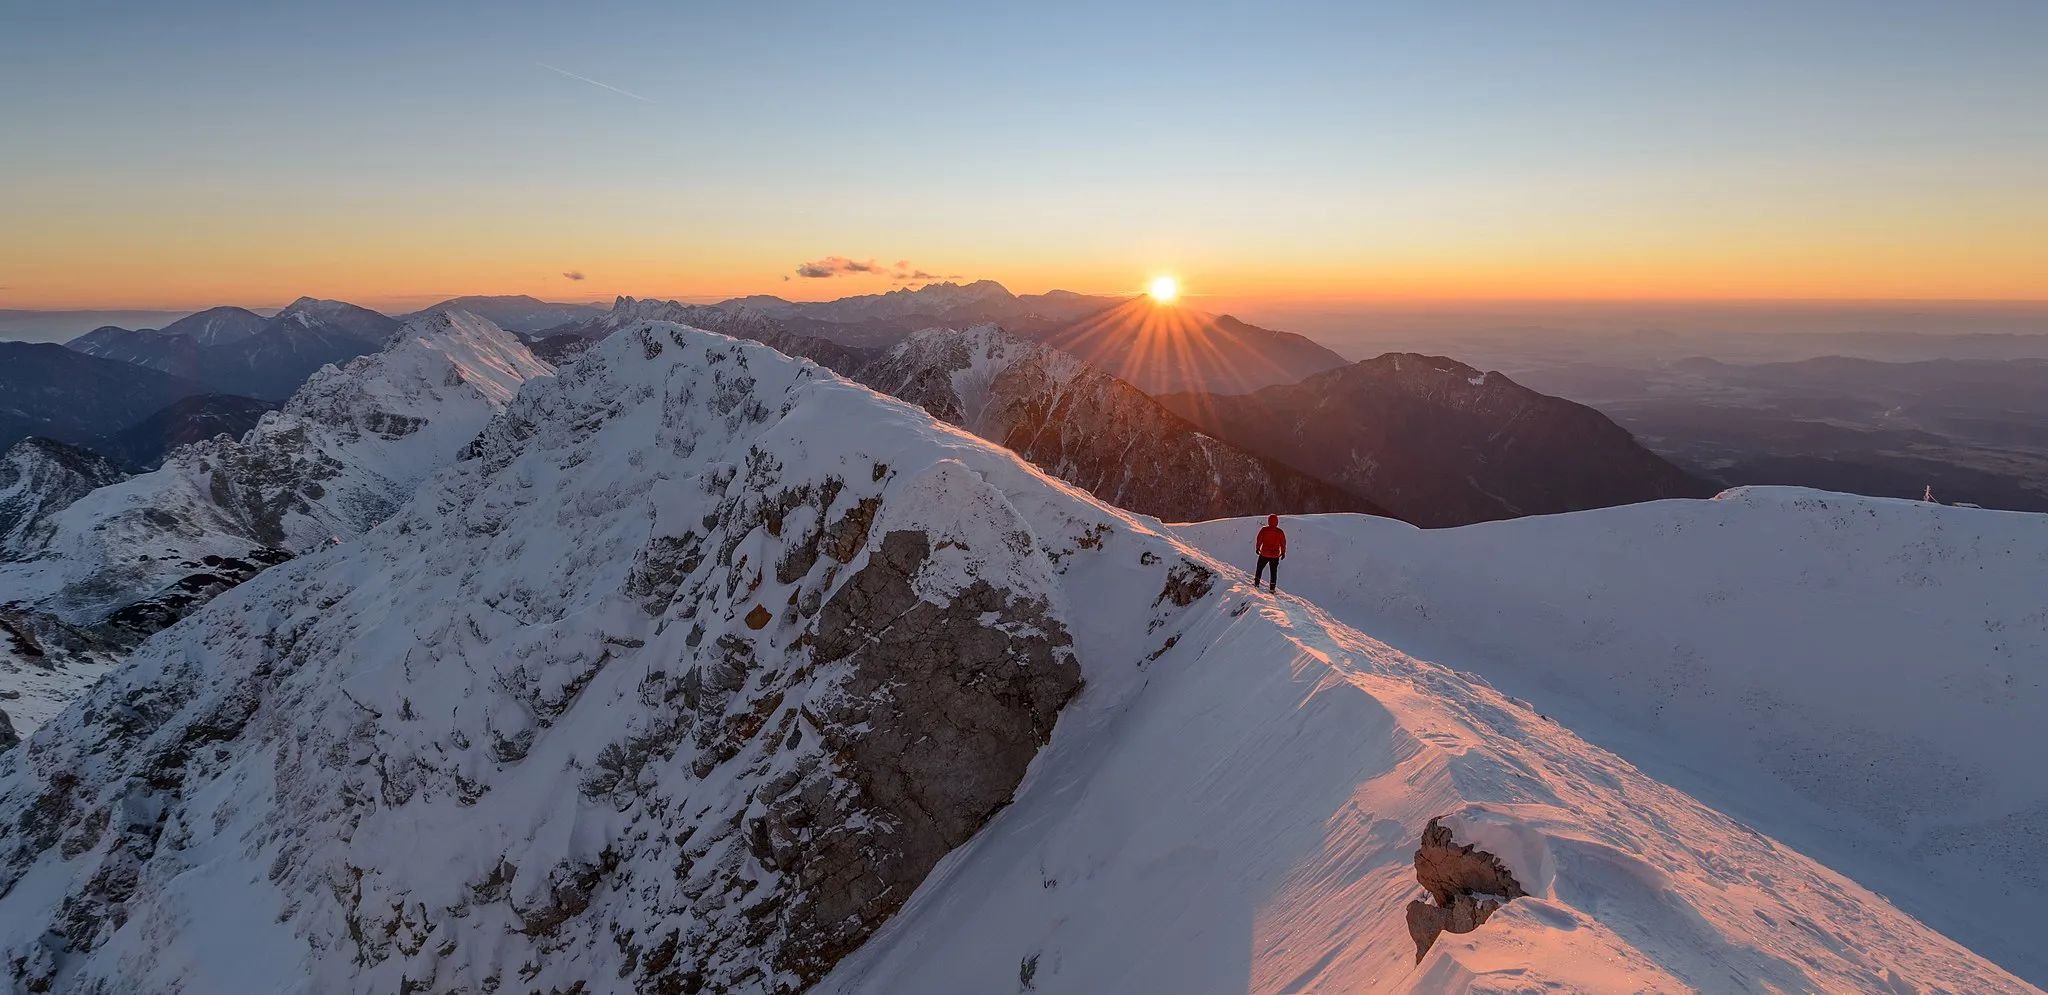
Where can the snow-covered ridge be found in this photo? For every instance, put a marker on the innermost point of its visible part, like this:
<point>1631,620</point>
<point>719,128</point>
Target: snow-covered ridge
<point>693,667</point>
<point>1858,677</point>
<point>340,457</point>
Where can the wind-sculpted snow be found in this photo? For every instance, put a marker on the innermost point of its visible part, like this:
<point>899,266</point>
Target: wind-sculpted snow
<point>1858,677</point>
<point>341,456</point>
<point>703,662</point>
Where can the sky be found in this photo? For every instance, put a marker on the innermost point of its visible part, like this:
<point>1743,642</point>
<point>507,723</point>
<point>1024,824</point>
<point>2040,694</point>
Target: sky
<point>185,155</point>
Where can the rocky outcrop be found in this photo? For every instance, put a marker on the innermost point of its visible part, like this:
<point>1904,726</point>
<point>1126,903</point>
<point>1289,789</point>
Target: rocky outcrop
<point>1466,886</point>
<point>943,708</point>
<point>8,737</point>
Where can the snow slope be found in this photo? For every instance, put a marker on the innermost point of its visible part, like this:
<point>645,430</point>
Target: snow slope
<point>1860,678</point>
<point>607,708</point>
<point>340,457</point>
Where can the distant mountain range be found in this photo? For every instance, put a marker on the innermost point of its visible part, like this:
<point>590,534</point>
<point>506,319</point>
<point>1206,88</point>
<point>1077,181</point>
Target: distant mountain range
<point>52,391</point>
<point>235,351</point>
<point>1093,430</point>
<point>1263,420</point>
<point>1439,443</point>
<point>514,312</point>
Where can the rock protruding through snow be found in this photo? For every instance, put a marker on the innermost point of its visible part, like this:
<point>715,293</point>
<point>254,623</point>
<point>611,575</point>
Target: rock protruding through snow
<point>1466,884</point>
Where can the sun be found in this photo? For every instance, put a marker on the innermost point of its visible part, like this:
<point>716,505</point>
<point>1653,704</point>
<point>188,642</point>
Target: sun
<point>1165,289</point>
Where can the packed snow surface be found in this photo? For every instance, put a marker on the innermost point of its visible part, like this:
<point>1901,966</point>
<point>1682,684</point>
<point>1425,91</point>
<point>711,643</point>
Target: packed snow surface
<point>1860,678</point>
<point>371,769</point>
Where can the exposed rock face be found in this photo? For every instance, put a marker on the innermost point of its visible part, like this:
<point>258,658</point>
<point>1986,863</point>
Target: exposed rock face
<point>38,478</point>
<point>8,738</point>
<point>1438,443</point>
<point>944,708</point>
<point>1092,430</point>
<point>1467,886</point>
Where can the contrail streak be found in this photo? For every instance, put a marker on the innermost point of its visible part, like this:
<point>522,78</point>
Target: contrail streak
<point>593,82</point>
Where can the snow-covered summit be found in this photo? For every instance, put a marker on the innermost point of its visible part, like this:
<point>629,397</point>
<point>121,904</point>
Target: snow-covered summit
<point>340,457</point>
<point>702,661</point>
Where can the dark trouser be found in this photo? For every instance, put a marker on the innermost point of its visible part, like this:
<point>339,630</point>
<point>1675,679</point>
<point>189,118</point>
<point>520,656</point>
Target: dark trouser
<point>1265,562</point>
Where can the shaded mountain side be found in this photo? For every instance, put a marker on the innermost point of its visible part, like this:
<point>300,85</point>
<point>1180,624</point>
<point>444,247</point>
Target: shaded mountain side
<point>239,352</point>
<point>38,478</point>
<point>1439,443</point>
<point>58,393</point>
<point>217,326</point>
<point>144,445</point>
<point>1091,429</point>
<point>1166,348</point>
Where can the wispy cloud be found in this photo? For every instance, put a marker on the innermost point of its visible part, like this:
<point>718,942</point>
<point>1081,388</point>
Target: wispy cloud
<point>835,265</point>
<point>593,82</point>
<point>901,272</point>
<point>573,274</point>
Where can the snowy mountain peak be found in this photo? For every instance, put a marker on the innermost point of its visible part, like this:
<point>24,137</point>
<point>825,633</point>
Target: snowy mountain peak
<point>336,460</point>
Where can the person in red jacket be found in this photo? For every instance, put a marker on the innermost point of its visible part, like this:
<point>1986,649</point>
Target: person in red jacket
<point>1272,548</point>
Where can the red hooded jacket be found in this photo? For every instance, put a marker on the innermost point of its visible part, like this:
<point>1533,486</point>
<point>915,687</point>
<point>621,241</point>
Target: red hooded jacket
<point>1272,542</point>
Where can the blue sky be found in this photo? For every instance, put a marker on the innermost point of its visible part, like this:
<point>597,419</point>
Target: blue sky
<point>1296,145</point>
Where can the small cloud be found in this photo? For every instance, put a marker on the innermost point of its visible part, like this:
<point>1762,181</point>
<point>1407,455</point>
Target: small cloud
<point>785,278</point>
<point>835,265</point>
<point>574,274</point>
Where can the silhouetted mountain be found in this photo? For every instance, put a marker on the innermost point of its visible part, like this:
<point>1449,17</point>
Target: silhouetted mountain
<point>882,320</point>
<point>1092,430</point>
<point>217,346</point>
<point>1163,348</point>
<point>301,339</point>
<point>1439,443</point>
<point>50,390</point>
<point>515,312</point>
<point>217,326</point>
<point>174,354</point>
<point>143,446</point>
